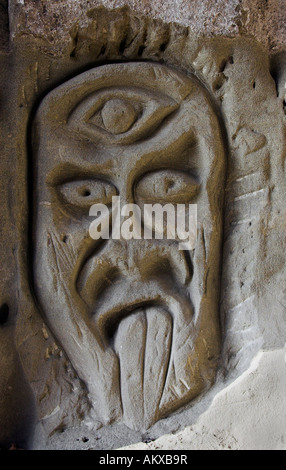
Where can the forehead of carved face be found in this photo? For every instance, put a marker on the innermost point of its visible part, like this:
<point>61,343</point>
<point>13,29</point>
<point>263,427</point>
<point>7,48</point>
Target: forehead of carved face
<point>148,134</point>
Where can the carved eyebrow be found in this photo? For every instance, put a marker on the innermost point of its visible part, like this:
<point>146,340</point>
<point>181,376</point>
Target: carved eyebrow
<point>65,172</point>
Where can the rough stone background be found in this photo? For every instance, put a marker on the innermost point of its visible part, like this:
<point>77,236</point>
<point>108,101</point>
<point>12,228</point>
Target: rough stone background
<point>250,412</point>
<point>262,19</point>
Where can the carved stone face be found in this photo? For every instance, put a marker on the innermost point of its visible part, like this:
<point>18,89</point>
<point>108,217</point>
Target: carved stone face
<point>138,319</point>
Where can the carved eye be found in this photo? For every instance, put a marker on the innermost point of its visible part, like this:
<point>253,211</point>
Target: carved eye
<point>117,116</point>
<point>167,186</point>
<point>121,115</point>
<point>82,194</point>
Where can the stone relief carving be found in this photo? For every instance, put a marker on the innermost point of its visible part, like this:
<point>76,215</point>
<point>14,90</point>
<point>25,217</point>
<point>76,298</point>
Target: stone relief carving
<point>68,303</point>
<point>138,319</point>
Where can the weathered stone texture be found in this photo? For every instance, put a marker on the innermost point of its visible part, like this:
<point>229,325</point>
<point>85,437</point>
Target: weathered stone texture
<point>263,20</point>
<point>57,57</point>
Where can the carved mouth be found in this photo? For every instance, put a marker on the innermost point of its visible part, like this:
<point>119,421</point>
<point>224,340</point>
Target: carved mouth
<point>108,323</point>
<point>119,299</point>
<point>112,298</point>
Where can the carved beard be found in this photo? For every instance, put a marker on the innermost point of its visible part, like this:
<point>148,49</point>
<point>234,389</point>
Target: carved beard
<point>139,321</point>
<point>146,317</point>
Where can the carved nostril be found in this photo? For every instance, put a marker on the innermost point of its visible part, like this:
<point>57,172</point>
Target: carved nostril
<point>172,268</point>
<point>64,238</point>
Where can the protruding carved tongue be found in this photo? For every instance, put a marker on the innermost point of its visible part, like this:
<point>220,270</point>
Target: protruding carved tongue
<point>143,343</point>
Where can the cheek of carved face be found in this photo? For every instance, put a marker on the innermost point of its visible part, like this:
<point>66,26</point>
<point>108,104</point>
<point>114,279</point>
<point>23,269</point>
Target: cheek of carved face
<point>141,309</point>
